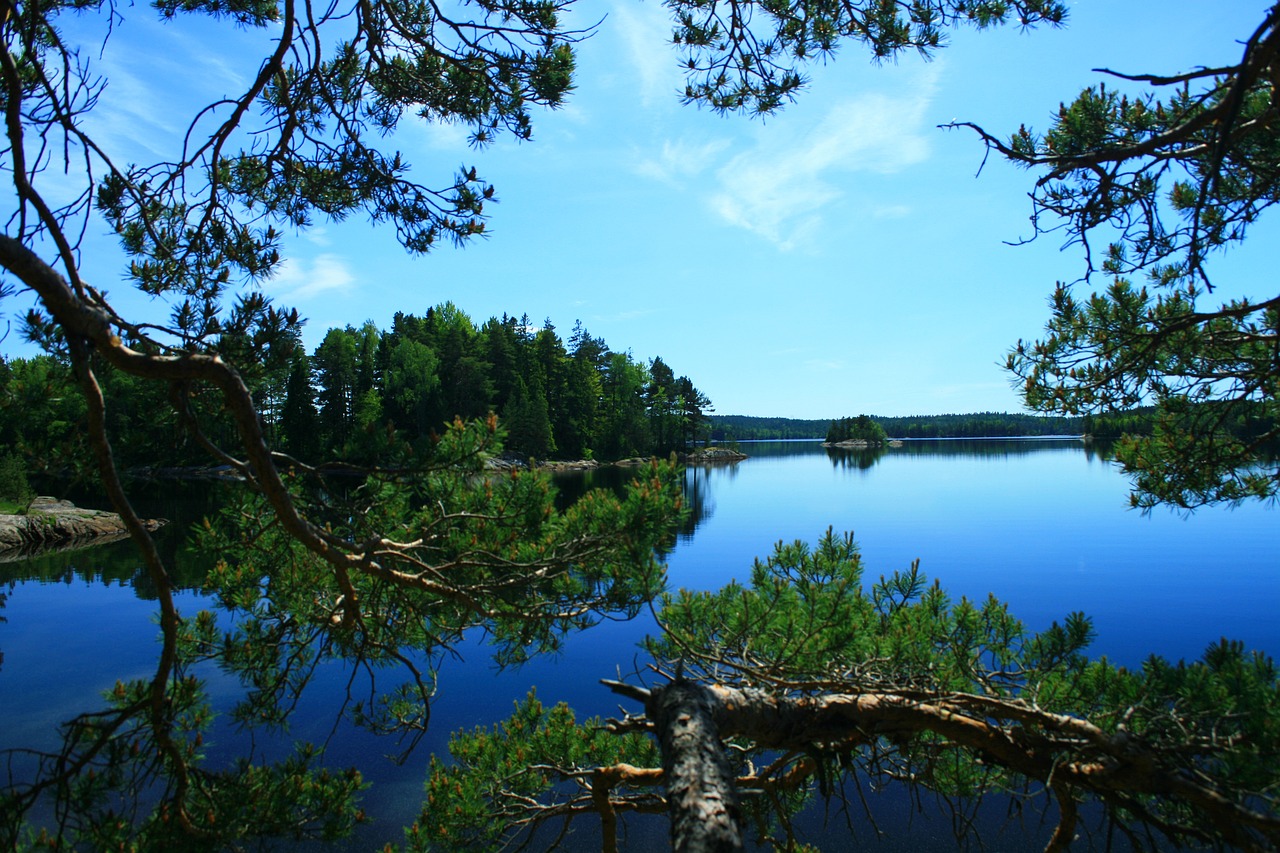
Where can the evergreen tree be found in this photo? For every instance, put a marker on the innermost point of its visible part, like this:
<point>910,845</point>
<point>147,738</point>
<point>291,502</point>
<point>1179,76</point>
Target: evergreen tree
<point>1167,179</point>
<point>413,388</point>
<point>809,670</point>
<point>861,429</point>
<point>664,411</point>
<point>500,346</point>
<point>299,420</point>
<point>694,408</point>
<point>528,424</point>
<point>819,676</point>
<point>624,428</point>
<point>337,370</point>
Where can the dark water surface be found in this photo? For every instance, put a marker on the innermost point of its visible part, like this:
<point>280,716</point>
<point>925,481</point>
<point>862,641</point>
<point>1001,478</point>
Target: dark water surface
<point>1044,525</point>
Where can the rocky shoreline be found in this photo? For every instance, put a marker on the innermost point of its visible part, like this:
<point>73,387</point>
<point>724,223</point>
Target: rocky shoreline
<point>702,456</point>
<point>862,443</point>
<point>708,455</point>
<point>53,524</point>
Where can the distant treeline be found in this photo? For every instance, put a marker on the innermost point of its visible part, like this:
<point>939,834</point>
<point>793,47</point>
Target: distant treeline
<point>977,425</point>
<point>1241,421</point>
<point>980,425</point>
<point>861,428</point>
<point>365,393</point>
<point>747,428</point>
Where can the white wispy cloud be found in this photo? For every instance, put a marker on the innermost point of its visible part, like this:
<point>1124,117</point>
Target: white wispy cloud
<point>297,280</point>
<point>645,28</point>
<point>680,159</point>
<point>136,118</point>
<point>892,211</point>
<point>317,235</point>
<point>780,187</point>
<point>133,120</point>
<point>436,135</point>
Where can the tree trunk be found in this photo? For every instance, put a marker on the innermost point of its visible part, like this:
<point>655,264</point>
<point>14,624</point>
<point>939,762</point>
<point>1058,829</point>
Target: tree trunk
<point>705,813</point>
<point>1068,754</point>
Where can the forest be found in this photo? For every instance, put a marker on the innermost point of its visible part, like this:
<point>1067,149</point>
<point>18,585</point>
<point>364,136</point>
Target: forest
<point>803,679</point>
<point>860,429</point>
<point>366,395</point>
<point>974,425</point>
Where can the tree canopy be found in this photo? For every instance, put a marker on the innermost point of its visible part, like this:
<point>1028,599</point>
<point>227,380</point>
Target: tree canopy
<point>861,429</point>
<point>366,394</point>
<point>972,425</point>
<point>820,676</point>
<point>1153,186</point>
<point>809,670</point>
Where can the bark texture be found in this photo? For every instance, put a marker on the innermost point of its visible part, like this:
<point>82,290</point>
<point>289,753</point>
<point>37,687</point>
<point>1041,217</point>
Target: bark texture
<point>706,816</point>
<point>1070,755</point>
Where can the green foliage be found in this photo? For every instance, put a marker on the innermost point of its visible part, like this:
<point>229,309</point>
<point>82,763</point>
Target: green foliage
<point>525,759</point>
<point>125,789</point>
<point>41,412</point>
<point>370,397</point>
<point>810,629</point>
<point>528,421</point>
<point>625,428</point>
<point>979,425</point>
<point>1168,179</point>
<point>1204,440</point>
<point>676,409</point>
<point>474,551</point>
<point>748,428</point>
<point>809,625</point>
<point>299,424</point>
<point>458,549</point>
<point>807,617</point>
<point>390,570</point>
<point>14,487</point>
<point>859,429</point>
<point>749,57</point>
<point>975,425</point>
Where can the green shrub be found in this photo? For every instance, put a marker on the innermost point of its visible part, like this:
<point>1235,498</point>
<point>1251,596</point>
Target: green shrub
<point>14,487</point>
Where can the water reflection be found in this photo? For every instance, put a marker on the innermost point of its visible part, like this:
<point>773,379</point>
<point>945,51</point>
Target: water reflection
<point>180,503</point>
<point>855,458</point>
<point>973,448</point>
<point>696,489</point>
<point>986,448</point>
<point>112,564</point>
<point>1046,532</point>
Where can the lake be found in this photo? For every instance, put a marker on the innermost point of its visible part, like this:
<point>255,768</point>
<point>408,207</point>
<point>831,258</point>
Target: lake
<point>1043,524</point>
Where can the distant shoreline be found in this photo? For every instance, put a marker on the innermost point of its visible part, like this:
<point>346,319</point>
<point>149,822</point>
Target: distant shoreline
<point>819,440</point>
<point>993,425</point>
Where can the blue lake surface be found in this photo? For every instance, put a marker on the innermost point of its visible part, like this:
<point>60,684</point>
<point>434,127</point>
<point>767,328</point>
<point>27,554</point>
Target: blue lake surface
<point>1044,525</point>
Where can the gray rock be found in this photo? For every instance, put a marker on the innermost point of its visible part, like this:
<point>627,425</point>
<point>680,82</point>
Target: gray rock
<point>49,522</point>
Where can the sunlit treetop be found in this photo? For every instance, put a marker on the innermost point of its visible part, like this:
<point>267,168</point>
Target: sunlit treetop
<point>1166,181</point>
<point>306,138</point>
<point>748,57</point>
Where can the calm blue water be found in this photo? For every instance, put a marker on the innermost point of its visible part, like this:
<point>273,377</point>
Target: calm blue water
<point>1042,524</point>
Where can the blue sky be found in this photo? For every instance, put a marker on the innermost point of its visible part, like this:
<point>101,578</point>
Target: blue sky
<point>840,257</point>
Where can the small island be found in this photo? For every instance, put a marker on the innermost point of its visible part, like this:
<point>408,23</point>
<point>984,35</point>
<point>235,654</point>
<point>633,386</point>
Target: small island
<point>859,432</point>
<point>707,455</point>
